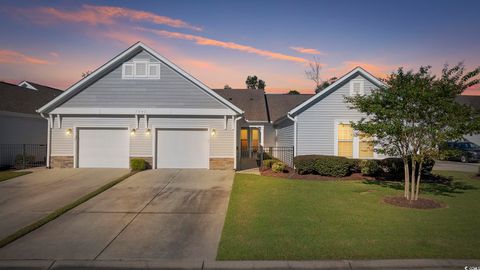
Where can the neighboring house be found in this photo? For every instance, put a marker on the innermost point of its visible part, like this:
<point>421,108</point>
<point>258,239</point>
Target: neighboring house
<point>321,124</point>
<point>24,132</point>
<point>473,101</point>
<point>21,124</point>
<point>141,105</point>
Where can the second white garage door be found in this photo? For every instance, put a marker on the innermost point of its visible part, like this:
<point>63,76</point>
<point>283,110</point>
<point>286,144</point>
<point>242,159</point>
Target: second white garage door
<point>103,148</point>
<point>182,148</point>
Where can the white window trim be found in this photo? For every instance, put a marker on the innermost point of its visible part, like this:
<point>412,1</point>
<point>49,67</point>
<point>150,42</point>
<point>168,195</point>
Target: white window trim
<point>362,87</point>
<point>147,76</point>
<point>356,140</point>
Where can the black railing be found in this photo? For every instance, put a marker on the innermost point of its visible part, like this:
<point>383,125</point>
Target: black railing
<point>22,156</point>
<point>254,156</point>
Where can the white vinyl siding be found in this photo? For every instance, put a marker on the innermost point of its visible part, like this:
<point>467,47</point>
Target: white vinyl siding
<point>221,145</point>
<point>285,134</point>
<point>316,125</point>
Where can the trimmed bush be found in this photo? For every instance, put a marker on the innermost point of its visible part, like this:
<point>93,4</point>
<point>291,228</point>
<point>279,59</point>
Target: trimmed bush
<point>138,164</point>
<point>370,167</point>
<point>355,165</point>
<point>278,167</point>
<point>323,165</point>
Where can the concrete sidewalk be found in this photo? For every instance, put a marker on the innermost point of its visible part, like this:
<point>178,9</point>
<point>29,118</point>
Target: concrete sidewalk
<point>240,265</point>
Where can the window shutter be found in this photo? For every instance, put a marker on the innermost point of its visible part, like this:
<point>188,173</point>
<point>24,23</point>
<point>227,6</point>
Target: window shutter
<point>127,70</point>
<point>141,69</point>
<point>154,71</point>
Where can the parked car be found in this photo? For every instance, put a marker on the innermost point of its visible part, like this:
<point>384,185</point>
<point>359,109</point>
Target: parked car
<point>463,151</point>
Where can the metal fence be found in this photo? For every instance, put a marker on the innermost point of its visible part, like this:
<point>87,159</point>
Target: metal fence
<point>22,156</point>
<point>254,156</point>
<point>283,153</point>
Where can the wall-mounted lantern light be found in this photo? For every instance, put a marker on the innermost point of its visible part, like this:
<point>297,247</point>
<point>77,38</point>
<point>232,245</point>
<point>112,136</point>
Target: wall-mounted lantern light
<point>214,132</point>
<point>132,132</point>
<point>68,131</point>
<point>148,132</point>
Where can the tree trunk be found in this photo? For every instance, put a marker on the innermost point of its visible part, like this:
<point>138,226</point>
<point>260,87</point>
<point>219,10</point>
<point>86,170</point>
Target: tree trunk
<point>418,179</point>
<point>407,178</point>
<point>412,192</point>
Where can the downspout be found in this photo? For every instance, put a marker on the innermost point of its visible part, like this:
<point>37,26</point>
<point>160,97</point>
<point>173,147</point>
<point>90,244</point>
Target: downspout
<point>294,119</point>
<point>48,138</point>
<point>234,123</point>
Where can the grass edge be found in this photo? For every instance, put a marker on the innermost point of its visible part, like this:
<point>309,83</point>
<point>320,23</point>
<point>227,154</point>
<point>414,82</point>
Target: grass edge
<point>60,211</point>
<point>20,174</point>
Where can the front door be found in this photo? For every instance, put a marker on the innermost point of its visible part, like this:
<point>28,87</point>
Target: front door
<point>250,143</point>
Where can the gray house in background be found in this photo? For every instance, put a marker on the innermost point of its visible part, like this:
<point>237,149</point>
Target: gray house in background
<point>474,102</point>
<point>20,123</point>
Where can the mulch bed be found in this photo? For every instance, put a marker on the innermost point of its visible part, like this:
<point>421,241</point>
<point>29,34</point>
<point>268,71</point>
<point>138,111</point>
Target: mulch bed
<point>421,203</point>
<point>290,173</point>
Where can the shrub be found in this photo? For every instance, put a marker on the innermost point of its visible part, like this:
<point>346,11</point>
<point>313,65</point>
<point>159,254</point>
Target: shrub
<point>138,164</point>
<point>323,165</point>
<point>278,167</point>
<point>305,164</point>
<point>333,166</point>
<point>370,167</point>
<point>267,163</point>
<point>394,167</point>
<point>29,159</point>
<point>355,165</point>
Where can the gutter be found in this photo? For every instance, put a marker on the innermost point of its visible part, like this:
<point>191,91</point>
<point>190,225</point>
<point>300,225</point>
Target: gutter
<point>49,131</point>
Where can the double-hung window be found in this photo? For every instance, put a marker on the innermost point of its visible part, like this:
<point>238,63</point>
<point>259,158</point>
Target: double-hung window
<point>351,145</point>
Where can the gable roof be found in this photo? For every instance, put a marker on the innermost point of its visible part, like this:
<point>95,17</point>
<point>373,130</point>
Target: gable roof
<point>356,71</point>
<point>19,99</point>
<point>102,70</point>
<point>280,104</point>
<point>27,85</point>
<point>251,101</point>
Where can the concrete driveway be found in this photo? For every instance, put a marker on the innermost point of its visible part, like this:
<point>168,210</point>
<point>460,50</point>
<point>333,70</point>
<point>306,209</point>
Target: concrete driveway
<point>157,214</point>
<point>25,199</point>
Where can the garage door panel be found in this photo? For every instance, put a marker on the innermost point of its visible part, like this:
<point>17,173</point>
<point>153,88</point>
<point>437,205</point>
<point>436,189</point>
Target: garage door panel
<point>103,148</point>
<point>182,148</point>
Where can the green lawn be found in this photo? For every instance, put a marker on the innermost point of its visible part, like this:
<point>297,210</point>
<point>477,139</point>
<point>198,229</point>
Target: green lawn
<point>271,218</point>
<point>5,175</point>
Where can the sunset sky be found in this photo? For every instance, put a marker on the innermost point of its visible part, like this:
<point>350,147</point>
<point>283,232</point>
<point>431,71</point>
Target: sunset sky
<point>222,42</point>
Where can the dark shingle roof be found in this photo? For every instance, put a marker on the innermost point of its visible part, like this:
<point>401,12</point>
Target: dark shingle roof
<point>251,101</point>
<point>473,101</point>
<point>19,99</point>
<point>280,104</point>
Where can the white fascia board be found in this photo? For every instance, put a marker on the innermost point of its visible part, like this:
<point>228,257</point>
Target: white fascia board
<point>141,111</point>
<point>125,53</point>
<point>333,85</point>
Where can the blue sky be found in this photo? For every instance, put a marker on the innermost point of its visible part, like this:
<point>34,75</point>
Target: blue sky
<point>221,42</point>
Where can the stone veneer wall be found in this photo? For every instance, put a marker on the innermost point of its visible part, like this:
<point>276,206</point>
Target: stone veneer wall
<point>61,161</point>
<point>221,163</point>
<point>147,159</point>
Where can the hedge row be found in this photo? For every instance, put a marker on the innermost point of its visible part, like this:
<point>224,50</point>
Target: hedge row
<point>340,166</point>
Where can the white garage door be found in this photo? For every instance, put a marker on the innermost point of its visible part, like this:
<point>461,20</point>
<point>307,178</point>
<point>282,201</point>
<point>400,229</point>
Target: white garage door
<point>182,148</point>
<point>103,148</point>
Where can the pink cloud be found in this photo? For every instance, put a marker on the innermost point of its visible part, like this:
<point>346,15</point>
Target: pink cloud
<point>307,50</point>
<point>54,54</point>
<point>14,57</point>
<point>107,15</point>
<point>226,45</point>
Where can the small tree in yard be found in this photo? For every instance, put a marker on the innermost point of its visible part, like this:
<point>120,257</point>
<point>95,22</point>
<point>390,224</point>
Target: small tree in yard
<point>416,112</point>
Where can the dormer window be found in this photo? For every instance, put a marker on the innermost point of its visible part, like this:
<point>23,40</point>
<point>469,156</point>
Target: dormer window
<point>356,87</point>
<point>141,69</point>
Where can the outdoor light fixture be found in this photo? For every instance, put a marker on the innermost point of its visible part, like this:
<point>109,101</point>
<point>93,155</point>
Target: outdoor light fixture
<point>132,132</point>
<point>148,132</point>
<point>68,131</point>
<point>214,132</point>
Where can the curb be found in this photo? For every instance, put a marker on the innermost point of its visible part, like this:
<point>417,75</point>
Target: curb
<point>423,264</point>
